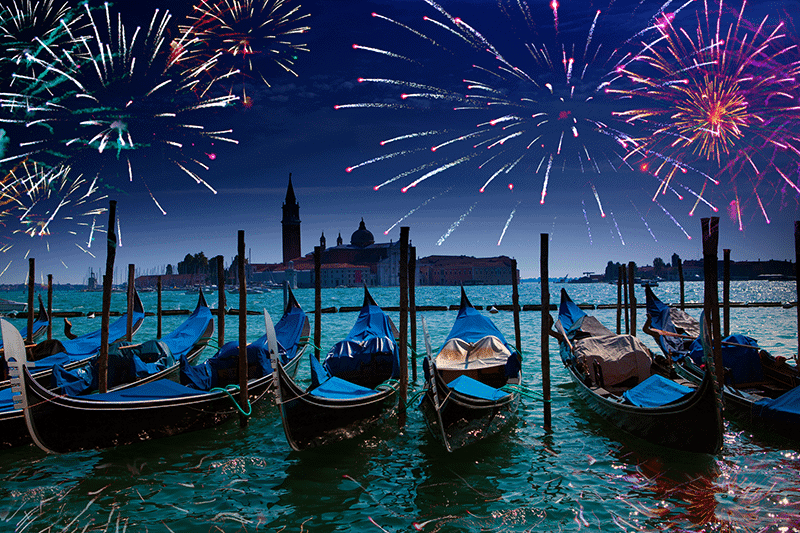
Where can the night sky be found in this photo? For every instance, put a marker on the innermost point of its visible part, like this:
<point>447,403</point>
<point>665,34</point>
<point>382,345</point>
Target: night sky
<point>294,126</point>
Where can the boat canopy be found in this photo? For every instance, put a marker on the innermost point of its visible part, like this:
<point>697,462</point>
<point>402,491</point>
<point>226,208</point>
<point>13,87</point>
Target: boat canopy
<point>223,368</point>
<point>784,408</point>
<point>620,357</point>
<point>742,364</point>
<point>369,354</point>
<point>656,391</point>
<point>673,320</point>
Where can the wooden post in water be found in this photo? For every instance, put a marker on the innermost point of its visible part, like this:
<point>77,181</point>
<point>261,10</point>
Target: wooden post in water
<point>545,339</point>
<point>31,287</point>
<point>159,311</point>
<point>710,229</point>
<point>619,300</point>
<point>632,285</point>
<point>726,291</point>
<point>50,306</point>
<point>623,271</point>
<point>412,307</point>
<point>108,281</point>
<point>515,304</point>
<point>221,301</point>
<point>403,275</point>
<point>680,278</point>
<point>797,281</point>
<point>243,394</point>
<point>317,300</point>
<point>131,290</point>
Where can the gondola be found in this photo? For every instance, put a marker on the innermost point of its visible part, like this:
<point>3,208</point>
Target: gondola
<point>352,391</point>
<point>760,389</point>
<point>128,364</point>
<point>61,424</point>
<point>72,353</point>
<point>39,328</point>
<point>472,384</point>
<point>616,377</point>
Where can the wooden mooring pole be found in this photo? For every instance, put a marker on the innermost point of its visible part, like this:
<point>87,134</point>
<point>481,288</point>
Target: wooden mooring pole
<point>515,304</point>
<point>159,307</point>
<point>623,271</point>
<point>412,307</point>
<point>545,339</point>
<point>243,393</point>
<point>619,300</point>
<point>403,280</point>
<point>50,306</point>
<point>710,229</point>
<point>221,301</point>
<point>797,281</point>
<point>317,300</point>
<point>632,298</point>
<point>680,279</point>
<point>31,289</point>
<point>131,289</point>
<point>108,282</point>
<point>726,291</point>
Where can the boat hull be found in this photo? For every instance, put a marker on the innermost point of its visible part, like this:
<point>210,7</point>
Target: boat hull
<point>461,420</point>
<point>62,424</point>
<point>310,421</point>
<point>693,424</point>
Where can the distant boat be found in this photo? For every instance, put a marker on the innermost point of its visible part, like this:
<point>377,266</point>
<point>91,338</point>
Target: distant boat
<point>10,306</point>
<point>649,283</point>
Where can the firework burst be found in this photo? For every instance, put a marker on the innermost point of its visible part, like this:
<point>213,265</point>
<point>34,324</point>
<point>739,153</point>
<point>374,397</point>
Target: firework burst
<point>39,201</point>
<point>113,101</point>
<point>717,92</point>
<point>237,40</point>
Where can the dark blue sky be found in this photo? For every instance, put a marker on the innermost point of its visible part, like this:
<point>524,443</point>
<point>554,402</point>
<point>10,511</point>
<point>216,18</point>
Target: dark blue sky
<point>292,127</point>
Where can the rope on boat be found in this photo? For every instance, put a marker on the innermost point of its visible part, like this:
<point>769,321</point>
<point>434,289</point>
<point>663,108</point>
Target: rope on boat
<point>524,391</point>
<point>235,388</point>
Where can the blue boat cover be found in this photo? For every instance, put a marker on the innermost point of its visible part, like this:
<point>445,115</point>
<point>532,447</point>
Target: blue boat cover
<point>6,400</point>
<point>656,391</point>
<point>155,390</point>
<point>660,319</point>
<point>568,312</point>
<point>324,385</point>
<point>288,331</point>
<point>222,369</point>
<point>369,354</point>
<point>37,325</point>
<point>85,345</point>
<point>784,408</point>
<point>137,361</point>
<point>744,364</point>
<point>472,387</point>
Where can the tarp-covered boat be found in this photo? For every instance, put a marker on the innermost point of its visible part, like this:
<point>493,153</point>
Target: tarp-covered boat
<point>161,408</point>
<point>127,364</point>
<point>759,388</point>
<point>615,375</point>
<point>354,389</point>
<point>72,353</point>
<point>40,324</point>
<point>471,385</point>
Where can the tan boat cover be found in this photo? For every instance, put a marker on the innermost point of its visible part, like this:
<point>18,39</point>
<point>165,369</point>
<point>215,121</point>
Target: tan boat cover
<point>682,320</point>
<point>620,357</point>
<point>457,354</point>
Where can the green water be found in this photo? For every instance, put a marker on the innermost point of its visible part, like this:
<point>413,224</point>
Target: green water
<point>582,475</point>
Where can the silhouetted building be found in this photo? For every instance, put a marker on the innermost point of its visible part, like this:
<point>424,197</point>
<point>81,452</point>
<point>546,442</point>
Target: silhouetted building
<point>291,225</point>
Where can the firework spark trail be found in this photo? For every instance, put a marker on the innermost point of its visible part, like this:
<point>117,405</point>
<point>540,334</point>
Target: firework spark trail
<point>423,204</point>
<point>673,219</point>
<point>380,158</point>
<point>599,205</point>
<point>410,136</point>
<point>546,179</point>
<point>617,227</point>
<point>6,268</point>
<point>586,218</point>
<point>646,225</point>
<point>493,176</point>
<point>384,52</point>
<point>455,225</point>
<point>508,222</point>
<point>436,171</point>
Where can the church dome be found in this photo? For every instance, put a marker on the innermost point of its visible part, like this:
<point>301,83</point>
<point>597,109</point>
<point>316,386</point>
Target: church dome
<point>362,237</point>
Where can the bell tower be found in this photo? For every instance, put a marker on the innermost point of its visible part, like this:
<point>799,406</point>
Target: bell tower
<point>291,225</point>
